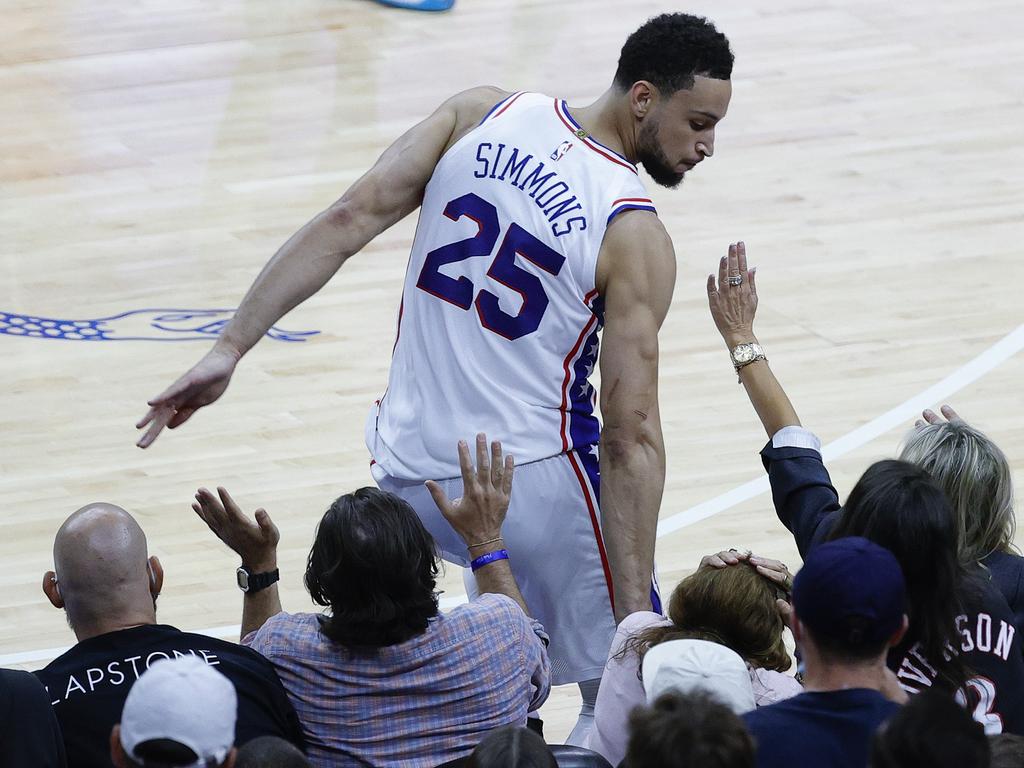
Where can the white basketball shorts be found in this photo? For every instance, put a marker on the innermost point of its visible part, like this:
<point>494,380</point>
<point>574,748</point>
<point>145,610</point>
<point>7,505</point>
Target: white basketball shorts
<point>553,536</point>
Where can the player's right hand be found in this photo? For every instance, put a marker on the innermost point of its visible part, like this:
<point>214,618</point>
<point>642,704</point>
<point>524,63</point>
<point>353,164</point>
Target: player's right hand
<point>201,385</point>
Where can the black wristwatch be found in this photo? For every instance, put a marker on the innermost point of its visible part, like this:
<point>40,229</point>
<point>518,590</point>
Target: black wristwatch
<point>250,582</point>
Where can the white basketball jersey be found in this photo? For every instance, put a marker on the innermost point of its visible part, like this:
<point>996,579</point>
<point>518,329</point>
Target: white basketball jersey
<point>499,320</point>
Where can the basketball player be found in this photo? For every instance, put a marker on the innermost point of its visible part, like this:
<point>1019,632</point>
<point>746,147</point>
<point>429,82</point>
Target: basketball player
<point>534,232</point>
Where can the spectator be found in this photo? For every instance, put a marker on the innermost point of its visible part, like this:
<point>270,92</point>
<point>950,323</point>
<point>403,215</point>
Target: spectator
<point>698,665</point>
<point>896,505</point>
<point>688,731</point>
<point>512,747</point>
<point>976,477</point>
<point>270,752</point>
<point>1007,750</point>
<point>931,730</point>
<point>29,733</point>
<point>848,610</point>
<point>386,678</point>
<point>734,606</point>
<point>179,714</point>
<point>108,588</point>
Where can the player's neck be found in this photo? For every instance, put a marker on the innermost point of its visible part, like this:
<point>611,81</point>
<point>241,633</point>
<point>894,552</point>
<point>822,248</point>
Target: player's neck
<point>607,122</point>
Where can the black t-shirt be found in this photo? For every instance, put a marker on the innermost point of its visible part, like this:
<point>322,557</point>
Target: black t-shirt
<point>1006,571</point>
<point>29,734</point>
<point>829,728</point>
<point>88,685</point>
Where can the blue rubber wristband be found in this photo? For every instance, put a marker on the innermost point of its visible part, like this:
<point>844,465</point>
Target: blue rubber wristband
<point>490,557</point>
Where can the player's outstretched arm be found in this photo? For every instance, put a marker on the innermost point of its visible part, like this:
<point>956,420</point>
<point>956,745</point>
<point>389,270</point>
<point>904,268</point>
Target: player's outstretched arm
<point>388,192</point>
<point>733,308</point>
<point>636,277</point>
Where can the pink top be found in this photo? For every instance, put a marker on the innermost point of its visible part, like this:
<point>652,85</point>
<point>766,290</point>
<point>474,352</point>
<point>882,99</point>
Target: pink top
<point>621,689</point>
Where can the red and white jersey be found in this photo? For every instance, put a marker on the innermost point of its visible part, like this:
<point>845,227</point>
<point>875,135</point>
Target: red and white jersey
<point>499,320</point>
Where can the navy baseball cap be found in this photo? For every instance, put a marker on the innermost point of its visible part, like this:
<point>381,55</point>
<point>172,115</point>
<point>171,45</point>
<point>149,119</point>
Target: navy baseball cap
<point>850,590</point>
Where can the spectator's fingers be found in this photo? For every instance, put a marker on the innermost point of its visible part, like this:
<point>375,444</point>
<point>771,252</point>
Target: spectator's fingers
<point>785,611</point>
<point>741,258</point>
<point>267,527</point>
<point>198,509</point>
<point>931,416</point>
<point>506,479</point>
<point>496,464</point>
<point>752,281</point>
<point>919,423</point>
<point>233,513</point>
<point>734,260</point>
<point>950,414</point>
<point>439,496</point>
<point>781,578</point>
<point>712,290</point>
<point>466,465</point>
<point>209,502</point>
<point>768,562</point>
<point>723,271</point>
<point>715,561</point>
<point>213,512</point>
<point>483,466</point>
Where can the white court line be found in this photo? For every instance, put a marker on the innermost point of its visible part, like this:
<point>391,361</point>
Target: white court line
<point>966,374</point>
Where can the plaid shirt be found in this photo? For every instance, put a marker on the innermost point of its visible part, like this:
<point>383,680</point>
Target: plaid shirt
<point>417,704</point>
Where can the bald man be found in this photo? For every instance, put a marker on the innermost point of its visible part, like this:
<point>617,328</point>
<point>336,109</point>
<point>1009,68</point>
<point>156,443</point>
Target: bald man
<point>107,585</point>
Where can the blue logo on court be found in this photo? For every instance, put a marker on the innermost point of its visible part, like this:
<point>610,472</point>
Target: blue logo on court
<point>136,325</point>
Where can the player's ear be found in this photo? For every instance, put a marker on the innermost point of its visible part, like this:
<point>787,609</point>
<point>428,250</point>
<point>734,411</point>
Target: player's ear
<point>51,588</point>
<point>641,98</point>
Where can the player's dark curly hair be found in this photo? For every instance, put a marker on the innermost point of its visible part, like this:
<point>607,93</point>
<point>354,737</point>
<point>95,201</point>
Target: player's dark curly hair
<point>374,564</point>
<point>670,50</point>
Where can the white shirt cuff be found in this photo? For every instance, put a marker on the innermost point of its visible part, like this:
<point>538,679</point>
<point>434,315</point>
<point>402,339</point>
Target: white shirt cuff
<point>796,437</point>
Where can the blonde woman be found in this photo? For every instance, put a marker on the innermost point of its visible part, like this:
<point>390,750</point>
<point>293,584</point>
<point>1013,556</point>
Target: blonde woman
<point>976,477</point>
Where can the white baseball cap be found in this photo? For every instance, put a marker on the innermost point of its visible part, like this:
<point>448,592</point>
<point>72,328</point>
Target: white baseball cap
<point>698,665</point>
<point>183,700</point>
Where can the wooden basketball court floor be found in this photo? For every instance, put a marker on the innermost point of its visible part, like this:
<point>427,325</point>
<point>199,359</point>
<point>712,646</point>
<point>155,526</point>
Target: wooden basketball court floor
<point>153,155</point>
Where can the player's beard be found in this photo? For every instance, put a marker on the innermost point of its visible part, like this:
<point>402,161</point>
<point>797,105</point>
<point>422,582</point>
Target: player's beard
<point>653,158</point>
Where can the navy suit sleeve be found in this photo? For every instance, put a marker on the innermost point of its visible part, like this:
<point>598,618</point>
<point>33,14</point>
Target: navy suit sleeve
<point>802,491</point>
<point>1006,571</point>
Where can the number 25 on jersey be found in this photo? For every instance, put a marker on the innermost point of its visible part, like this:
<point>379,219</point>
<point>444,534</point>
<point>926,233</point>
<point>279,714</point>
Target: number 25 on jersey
<point>517,242</point>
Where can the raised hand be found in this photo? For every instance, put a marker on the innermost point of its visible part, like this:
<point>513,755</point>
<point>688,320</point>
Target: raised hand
<point>774,570</point>
<point>254,539</point>
<point>200,386</point>
<point>486,491</point>
<point>733,298</point>
<point>725,558</point>
<point>930,417</point>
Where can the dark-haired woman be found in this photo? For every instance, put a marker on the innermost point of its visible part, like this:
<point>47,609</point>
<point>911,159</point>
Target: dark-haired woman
<point>961,637</point>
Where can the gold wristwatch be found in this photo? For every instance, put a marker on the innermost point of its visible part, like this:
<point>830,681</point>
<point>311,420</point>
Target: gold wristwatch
<point>745,354</point>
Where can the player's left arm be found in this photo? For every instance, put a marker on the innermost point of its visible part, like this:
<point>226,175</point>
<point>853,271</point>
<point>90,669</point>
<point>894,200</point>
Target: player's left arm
<point>389,191</point>
<point>636,276</point>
